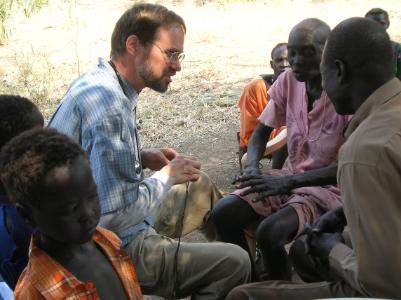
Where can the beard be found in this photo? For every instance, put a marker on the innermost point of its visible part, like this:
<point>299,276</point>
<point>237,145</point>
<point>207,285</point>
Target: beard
<point>156,83</point>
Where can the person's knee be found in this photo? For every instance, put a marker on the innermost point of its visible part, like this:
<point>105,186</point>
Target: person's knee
<point>279,228</point>
<point>206,185</point>
<point>238,263</point>
<point>222,213</point>
<point>271,233</point>
<point>238,293</point>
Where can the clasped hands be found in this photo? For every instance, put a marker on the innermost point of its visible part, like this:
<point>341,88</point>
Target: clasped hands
<point>265,185</point>
<point>180,168</point>
<point>324,234</point>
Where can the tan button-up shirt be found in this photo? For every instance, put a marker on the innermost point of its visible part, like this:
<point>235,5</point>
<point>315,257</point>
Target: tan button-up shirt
<point>369,177</point>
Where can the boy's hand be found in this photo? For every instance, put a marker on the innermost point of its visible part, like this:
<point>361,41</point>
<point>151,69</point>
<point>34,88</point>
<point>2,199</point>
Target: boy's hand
<point>182,169</point>
<point>155,159</point>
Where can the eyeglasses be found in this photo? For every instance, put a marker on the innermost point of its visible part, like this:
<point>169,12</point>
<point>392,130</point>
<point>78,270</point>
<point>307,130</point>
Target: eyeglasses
<point>173,56</point>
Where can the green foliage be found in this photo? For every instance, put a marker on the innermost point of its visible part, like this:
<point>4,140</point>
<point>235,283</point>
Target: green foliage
<point>5,10</point>
<point>7,6</point>
<point>31,6</point>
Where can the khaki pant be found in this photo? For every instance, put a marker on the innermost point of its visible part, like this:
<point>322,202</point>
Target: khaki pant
<point>205,270</point>
<point>292,291</point>
<point>202,195</point>
<point>333,287</point>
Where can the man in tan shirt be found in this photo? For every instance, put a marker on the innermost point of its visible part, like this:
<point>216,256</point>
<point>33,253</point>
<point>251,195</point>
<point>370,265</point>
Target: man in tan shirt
<point>358,82</point>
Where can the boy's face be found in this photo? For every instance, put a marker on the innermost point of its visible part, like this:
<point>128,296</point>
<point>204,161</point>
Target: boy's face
<point>279,62</point>
<point>69,205</point>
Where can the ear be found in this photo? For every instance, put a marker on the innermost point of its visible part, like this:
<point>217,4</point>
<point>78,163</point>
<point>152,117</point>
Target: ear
<point>131,44</point>
<point>23,211</point>
<point>271,64</point>
<point>341,71</point>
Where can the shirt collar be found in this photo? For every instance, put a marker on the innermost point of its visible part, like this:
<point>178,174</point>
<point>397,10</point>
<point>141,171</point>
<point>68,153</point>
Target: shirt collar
<point>127,88</point>
<point>380,96</point>
<point>57,280</point>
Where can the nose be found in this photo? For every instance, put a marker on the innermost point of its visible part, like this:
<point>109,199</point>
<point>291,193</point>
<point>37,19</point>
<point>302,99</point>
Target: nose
<point>297,59</point>
<point>176,65</point>
<point>90,212</point>
<point>286,64</point>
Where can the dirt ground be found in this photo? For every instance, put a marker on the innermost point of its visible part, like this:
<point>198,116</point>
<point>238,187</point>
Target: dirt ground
<point>227,44</point>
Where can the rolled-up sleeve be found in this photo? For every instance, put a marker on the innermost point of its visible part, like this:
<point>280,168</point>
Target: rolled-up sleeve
<point>126,197</point>
<point>274,114</point>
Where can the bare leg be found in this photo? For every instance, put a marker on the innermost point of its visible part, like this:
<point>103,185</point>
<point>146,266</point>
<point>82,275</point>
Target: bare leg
<point>231,215</point>
<point>272,235</point>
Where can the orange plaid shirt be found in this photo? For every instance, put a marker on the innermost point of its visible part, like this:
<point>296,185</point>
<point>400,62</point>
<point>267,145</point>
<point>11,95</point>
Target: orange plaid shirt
<point>44,278</point>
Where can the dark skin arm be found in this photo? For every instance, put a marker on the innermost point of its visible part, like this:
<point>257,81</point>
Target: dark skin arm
<point>279,185</point>
<point>257,146</point>
<point>256,149</point>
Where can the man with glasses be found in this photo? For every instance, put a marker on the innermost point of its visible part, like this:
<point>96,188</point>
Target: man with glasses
<point>99,112</point>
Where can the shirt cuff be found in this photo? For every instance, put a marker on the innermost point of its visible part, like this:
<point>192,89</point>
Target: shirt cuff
<point>163,178</point>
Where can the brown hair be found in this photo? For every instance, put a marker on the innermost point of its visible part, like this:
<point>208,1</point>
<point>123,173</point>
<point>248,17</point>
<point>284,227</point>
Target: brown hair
<point>141,20</point>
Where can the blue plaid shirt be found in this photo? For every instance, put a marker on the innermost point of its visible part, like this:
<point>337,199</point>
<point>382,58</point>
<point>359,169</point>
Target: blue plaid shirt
<point>98,111</point>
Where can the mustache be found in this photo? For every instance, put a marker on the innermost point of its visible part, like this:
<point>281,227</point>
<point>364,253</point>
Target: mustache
<point>169,73</point>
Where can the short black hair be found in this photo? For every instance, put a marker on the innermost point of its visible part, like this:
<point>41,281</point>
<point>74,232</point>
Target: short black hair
<point>17,114</point>
<point>363,45</point>
<point>141,20</point>
<point>378,11</point>
<point>279,45</point>
<point>26,160</point>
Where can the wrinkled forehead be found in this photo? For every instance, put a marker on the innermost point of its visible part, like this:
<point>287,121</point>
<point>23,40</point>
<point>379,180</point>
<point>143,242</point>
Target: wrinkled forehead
<point>300,37</point>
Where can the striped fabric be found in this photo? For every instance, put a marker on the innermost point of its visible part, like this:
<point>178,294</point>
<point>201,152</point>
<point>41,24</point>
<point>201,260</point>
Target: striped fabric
<point>44,278</point>
<point>98,111</point>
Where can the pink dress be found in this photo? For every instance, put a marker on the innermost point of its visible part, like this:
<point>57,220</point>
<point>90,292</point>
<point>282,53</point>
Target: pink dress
<point>313,141</point>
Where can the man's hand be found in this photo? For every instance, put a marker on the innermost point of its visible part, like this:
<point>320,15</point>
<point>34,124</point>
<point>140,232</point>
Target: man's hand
<point>265,185</point>
<point>155,159</point>
<point>182,169</point>
<point>330,222</point>
<point>320,245</point>
<point>247,172</point>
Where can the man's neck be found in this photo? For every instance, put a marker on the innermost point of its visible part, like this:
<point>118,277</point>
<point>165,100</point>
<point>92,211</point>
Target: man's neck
<point>125,68</point>
<point>313,90</point>
<point>364,88</point>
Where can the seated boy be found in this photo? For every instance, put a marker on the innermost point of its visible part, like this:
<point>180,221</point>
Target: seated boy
<point>49,179</point>
<point>17,114</point>
<point>254,99</point>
